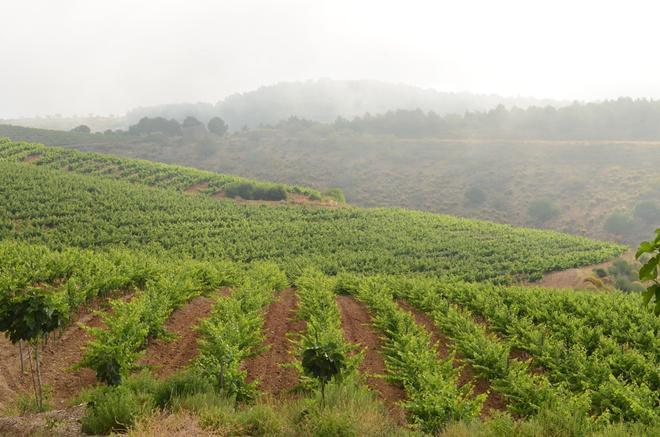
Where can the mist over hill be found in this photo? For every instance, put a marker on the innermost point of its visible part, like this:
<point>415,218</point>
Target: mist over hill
<point>324,100</point>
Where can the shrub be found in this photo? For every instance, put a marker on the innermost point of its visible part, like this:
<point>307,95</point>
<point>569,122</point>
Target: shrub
<point>600,272</point>
<point>542,210</point>
<point>594,281</point>
<point>111,409</point>
<point>269,192</point>
<point>621,267</point>
<point>648,211</point>
<point>475,196</point>
<point>239,189</point>
<point>336,194</point>
<point>181,385</point>
<point>253,191</point>
<point>535,277</point>
<point>82,129</point>
<point>625,284</point>
<point>217,126</point>
<point>618,223</point>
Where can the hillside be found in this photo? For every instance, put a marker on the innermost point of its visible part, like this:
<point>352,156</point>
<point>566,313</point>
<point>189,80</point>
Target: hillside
<point>587,181</point>
<point>458,357</point>
<point>110,202</point>
<point>324,100</point>
<point>170,308</point>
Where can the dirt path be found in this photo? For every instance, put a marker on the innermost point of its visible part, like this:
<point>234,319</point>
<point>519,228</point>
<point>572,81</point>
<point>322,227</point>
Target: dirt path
<point>166,357</point>
<point>495,401</point>
<point>357,325</point>
<point>266,367</point>
<point>575,278</point>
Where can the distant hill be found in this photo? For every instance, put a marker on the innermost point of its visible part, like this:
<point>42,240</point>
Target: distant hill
<point>97,123</point>
<point>324,100</point>
<point>596,187</point>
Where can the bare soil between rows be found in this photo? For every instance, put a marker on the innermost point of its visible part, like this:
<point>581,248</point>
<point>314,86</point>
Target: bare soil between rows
<point>166,357</point>
<point>281,327</point>
<point>358,329</point>
<point>58,356</point>
<point>495,401</point>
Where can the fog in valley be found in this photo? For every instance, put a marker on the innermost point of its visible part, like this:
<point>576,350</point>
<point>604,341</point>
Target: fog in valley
<point>533,114</point>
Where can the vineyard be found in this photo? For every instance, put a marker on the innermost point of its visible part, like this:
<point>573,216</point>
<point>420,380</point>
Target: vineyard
<point>63,208</point>
<point>163,309</point>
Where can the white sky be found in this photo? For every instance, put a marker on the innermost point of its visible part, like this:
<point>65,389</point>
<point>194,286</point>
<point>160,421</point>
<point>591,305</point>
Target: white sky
<point>69,56</point>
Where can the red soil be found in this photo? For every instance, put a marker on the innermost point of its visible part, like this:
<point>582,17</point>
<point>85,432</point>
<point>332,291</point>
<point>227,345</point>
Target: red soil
<point>495,401</point>
<point>57,357</point>
<point>357,325</point>
<point>166,357</point>
<point>267,367</point>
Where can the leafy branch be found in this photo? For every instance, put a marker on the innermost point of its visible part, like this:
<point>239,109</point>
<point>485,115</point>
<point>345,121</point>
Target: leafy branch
<point>649,270</point>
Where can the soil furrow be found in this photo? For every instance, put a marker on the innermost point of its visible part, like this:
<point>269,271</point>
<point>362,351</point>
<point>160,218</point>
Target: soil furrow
<point>280,323</point>
<point>495,401</point>
<point>166,357</point>
<point>358,329</point>
<point>62,351</point>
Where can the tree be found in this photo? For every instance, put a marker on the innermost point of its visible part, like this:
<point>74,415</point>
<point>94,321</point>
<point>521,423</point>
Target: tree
<point>29,316</point>
<point>336,194</point>
<point>217,126</point>
<point>542,210</point>
<point>83,129</point>
<point>475,195</point>
<point>323,362</point>
<point>193,129</point>
<point>148,126</point>
<point>649,270</point>
<point>618,223</point>
<point>191,121</point>
<point>648,212</point>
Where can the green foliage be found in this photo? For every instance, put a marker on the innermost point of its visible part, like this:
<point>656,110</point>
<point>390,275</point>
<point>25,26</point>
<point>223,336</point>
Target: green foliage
<point>254,191</point>
<point>82,129</point>
<point>180,385</point>
<point>618,223</point>
<point>160,125</point>
<point>105,213</point>
<point>336,194</point>
<point>542,210</point>
<point>131,324</point>
<point>600,272</point>
<point>217,125</point>
<point>475,195</point>
<point>111,409</point>
<point>31,314</point>
<point>649,270</point>
<point>433,396</point>
<point>324,353</point>
<point>598,352</point>
<point>134,171</point>
<point>648,211</point>
<point>323,361</point>
<point>233,332</point>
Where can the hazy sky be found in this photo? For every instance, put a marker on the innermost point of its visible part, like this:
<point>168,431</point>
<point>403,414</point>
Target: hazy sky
<point>85,56</point>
